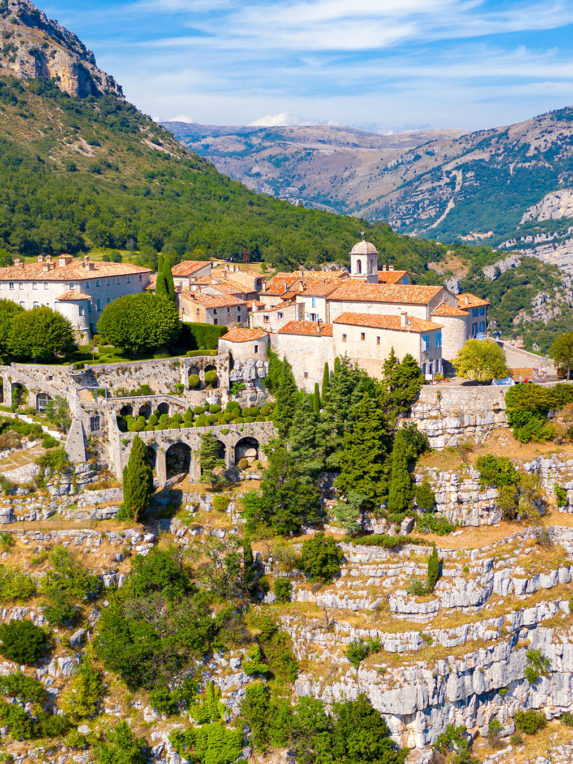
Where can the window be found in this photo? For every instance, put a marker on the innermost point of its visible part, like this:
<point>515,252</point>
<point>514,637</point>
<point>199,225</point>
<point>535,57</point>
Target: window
<point>82,311</point>
<point>11,285</point>
<point>87,285</point>
<point>129,279</point>
<point>359,266</point>
<point>117,281</point>
<point>97,282</point>
<point>438,339</point>
<point>377,340</point>
<point>306,374</point>
<point>344,337</point>
<point>140,277</point>
<point>99,304</point>
<point>216,321</point>
<point>482,310</point>
<point>406,280</point>
<point>474,312</point>
<point>474,330</point>
<point>36,304</point>
<point>107,302</point>
<point>214,311</point>
<point>266,319</point>
<point>280,314</point>
<point>21,285</point>
<point>362,336</point>
<point>256,349</point>
<point>95,423</point>
<point>34,284</point>
<point>425,341</point>
<point>108,283</point>
<point>313,302</point>
<point>482,326</point>
<point>71,285</point>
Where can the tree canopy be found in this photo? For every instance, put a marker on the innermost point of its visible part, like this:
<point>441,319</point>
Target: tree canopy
<point>481,361</point>
<point>40,334</point>
<point>561,351</point>
<point>138,323</point>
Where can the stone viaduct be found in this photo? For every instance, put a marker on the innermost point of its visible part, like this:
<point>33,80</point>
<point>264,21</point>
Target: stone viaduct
<point>175,452</point>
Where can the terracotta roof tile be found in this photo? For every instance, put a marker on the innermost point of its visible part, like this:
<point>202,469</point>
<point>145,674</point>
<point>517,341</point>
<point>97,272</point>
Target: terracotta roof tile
<point>237,334</point>
<point>283,282</point>
<point>409,294</point>
<point>469,300</point>
<point>449,310</point>
<point>391,277</point>
<point>308,328</point>
<point>212,300</point>
<point>393,323</point>
<point>72,296</point>
<point>321,289</point>
<point>73,271</point>
<point>188,267</point>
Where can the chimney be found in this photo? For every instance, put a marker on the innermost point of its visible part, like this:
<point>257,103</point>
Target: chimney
<point>404,319</point>
<point>40,258</point>
<point>467,298</point>
<point>18,262</point>
<point>390,267</point>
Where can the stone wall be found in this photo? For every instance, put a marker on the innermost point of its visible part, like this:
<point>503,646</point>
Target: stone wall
<point>451,414</point>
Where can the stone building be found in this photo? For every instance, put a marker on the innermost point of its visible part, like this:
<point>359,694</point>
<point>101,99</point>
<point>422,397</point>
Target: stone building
<point>78,289</point>
<point>201,307</point>
<point>316,316</point>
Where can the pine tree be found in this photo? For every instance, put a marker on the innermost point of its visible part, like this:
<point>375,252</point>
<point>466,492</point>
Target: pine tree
<point>433,569</point>
<point>160,283</point>
<point>210,459</point>
<point>137,481</point>
<point>286,401</point>
<point>316,399</point>
<point>400,491</point>
<point>249,567</point>
<point>402,382</point>
<point>168,277</point>
<point>325,385</point>
<point>364,451</point>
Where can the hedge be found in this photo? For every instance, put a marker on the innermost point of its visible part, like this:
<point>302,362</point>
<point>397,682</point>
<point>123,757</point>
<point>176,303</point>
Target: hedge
<point>197,336</point>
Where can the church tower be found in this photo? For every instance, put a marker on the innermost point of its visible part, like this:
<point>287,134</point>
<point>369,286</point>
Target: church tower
<point>364,262</point>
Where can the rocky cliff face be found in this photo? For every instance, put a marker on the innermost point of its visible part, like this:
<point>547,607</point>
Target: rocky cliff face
<point>33,46</point>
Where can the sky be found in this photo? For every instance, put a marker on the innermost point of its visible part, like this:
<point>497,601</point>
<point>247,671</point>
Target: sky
<point>381,65</point>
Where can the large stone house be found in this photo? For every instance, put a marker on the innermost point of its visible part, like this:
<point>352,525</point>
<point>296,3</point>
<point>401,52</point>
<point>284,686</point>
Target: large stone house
<point>315,316</point>
<point>78,289</point>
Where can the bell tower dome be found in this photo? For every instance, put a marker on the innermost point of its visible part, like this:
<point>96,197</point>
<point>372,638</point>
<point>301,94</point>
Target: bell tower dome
<point>364,262</point>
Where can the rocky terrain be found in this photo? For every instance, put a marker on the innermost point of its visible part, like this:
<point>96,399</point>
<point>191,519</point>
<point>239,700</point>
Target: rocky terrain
<point>508,187</point>
<point>35,47</point>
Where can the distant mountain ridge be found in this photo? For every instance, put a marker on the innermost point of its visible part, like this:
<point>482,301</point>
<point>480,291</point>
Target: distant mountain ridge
<point>35,47</point>
<point>509,187</point>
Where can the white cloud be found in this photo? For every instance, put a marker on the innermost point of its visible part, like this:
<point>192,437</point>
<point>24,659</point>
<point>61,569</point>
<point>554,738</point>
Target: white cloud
<point>183,118</point>
<point>283,119</point>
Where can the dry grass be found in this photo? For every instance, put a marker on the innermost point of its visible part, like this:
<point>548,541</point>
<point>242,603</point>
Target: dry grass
<point>545,741</point>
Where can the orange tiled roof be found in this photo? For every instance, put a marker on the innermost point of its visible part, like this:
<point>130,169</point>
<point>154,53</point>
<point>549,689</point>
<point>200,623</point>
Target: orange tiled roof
<point>212,300</point>
<point>73,271</point>
<point>321,289</point>
<point>255,304</point>
<point>468,300</point>
<point>72,295</point>
<point>449,310</point>
<point>391,277</point>
<point>278,306</point>
<point>237,334</point>
<point>393,323</point>
<point>409,294</point>
<point>188,267</point>
<point>309,328</point>
<point>283,282</point>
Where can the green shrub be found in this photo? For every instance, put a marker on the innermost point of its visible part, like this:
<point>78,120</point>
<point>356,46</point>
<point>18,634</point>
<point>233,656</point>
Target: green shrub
<point>497,471</point>
<point>213,743</point>
<point>425,497</point>
<point>197,335</point>
<point>321,558</point>
<point>199,410</point>
<point>120,747</point>
<point>210,378</point>
<point>434,569</point>
<point>15,585</point>
<point>561,496</point>
<point>537,665</point>
<point>530,721</point>
<point>194,381</point>
<point>22,641</point>
<point>176,419</point>
<point>214,408</point>
<point>438,524</point>
<point>48,441</point>
<point>566,719</point>
<point>415,587</point>
<point>387,542</point>
<point>220,502</point>
<point>282,589</point>
<point>359,649</point>
<point>162,701</point>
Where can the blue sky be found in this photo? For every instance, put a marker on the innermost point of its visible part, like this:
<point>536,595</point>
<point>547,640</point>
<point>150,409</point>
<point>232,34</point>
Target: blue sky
<point>385,65</point>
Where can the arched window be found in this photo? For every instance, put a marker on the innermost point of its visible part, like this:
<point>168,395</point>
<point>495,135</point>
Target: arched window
<point>359,266</point>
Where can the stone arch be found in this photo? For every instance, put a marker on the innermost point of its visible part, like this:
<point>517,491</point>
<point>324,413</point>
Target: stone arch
<point>194,371</point>
<point>177,460</point>
<point>126,410</point>
<point>151,454</point>
<point>42,400</point>
<point>247,448</point>
<point>359,266</point>
<point>145,410</point>
<point>163,408</point>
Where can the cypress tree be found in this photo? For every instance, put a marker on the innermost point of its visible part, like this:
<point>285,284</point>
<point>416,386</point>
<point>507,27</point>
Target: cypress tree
<point>325,384</point>
<point>364,451</point>
<point>168,278</point>
<point>400,489</point>
<point>160,283</point>
<point>433,569</point>
<point>137,481</point>
<point>316,399</point>
<point>304,440</point>
<point>286,400</point>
